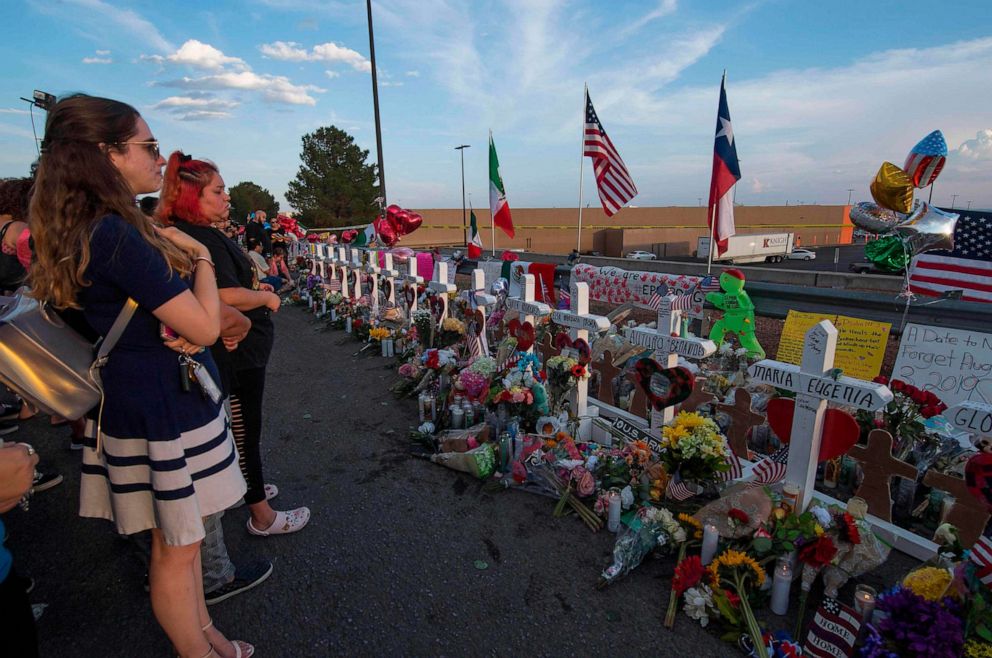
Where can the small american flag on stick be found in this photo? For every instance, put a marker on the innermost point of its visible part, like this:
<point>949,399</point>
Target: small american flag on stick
<point>981,555</point>
<point>677,490</point>
<point>772,469</point>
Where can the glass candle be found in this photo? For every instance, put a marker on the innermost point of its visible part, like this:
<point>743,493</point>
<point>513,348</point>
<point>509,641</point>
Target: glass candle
<point>347,325</point>
<point>790,494</point>
<point>457,417</point>
<point>864,601</point>
<point>781,584</point>
<point>711,538</point>
<point>613,516</point>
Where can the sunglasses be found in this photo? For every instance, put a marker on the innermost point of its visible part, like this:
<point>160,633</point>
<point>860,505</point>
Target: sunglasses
<point>150,145</point>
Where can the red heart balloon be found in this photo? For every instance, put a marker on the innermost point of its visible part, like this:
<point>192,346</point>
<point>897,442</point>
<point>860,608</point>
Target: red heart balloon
<point>386,232</point>
<point>840,429</point>
<point>407,222</point>
<point>524,332</point>
<point>978,477</point>
<point>664,387</point>
<point>391,211</point>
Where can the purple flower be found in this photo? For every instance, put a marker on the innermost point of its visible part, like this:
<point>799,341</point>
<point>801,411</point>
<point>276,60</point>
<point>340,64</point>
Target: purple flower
<point>915,627</point>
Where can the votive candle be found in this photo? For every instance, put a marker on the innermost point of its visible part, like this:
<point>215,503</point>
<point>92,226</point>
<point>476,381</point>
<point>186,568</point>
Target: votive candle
<point>864,601</point>
<point>781,584</point>
<point>613,517</point>
<point>711,537</point>
<point>347,325</point>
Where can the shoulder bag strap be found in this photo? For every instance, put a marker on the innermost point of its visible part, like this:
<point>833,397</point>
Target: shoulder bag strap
<point>120,324</point>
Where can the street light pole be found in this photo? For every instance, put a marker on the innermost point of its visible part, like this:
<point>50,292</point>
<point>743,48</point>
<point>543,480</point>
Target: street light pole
<point>375,105</point>
<point>461,149</point>
<point>850,191</point>
<point>954,197</point>
<point>969,206</point>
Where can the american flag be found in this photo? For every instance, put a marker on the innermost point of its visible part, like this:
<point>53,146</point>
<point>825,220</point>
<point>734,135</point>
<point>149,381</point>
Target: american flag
<point>656,296</point>
<point>981,555</point>
<point>834,631</point>
<point>772,469</point>
<point>709,283</point>
<point>677,490</point>
<point>612,178</point>
<point>736,470</point>
<point>682,303</point>
<point>968,267</point>
<point>564,299</point>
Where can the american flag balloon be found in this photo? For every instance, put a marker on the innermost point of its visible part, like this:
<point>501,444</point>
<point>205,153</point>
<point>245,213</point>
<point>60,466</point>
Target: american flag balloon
<point>927,158</point>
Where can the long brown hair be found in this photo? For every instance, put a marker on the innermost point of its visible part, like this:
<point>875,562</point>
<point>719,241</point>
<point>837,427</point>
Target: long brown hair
<point>76,186</point>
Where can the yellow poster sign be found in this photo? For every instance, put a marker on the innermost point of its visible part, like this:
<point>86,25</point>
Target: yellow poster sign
<point>860,343</point>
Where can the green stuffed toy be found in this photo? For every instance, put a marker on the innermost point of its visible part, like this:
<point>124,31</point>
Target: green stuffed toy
<point>738,313</point>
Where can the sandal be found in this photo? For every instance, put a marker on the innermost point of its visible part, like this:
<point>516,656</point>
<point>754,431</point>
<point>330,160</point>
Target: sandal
<point>271,491</point>
<point>241,649</point>
<point>284,524</point>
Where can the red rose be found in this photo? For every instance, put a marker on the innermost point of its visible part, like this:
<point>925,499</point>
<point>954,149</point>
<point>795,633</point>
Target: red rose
<point>879,423</point>
<point>929,411</point>
<point>919,397</point>
<point>897,385</point>
<point>739,515</point>
<point>732,598</point>
<point>819,553</point>
<point>881,379</point>
<point>932,398</point>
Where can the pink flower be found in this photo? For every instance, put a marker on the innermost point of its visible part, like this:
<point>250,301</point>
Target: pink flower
<point>586,484</point>
<point>518,397</point>
<point>519,473</point>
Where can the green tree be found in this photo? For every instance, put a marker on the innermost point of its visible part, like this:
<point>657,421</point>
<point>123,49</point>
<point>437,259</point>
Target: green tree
<point>248,197</point>
<point>334,186</point>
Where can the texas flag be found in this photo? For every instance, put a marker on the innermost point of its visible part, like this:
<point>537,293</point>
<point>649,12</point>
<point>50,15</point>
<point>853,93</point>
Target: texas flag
<point>726,172</point>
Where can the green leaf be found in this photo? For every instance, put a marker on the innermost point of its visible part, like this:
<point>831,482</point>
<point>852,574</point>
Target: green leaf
<point>788,546</point>
<point>762,544</point>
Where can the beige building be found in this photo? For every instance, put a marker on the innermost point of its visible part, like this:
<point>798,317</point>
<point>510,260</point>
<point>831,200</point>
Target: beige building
<point>553,230</point>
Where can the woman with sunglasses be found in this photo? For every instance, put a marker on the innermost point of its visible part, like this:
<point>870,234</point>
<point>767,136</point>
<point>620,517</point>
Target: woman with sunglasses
<point>194,198</point>
<point>164,456</point>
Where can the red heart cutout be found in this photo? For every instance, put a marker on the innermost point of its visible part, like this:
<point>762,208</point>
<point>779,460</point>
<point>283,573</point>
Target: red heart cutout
<point>644,277</point>
<point>664,387</point>
<point>524,332</point>
<point>978,477</point>
<point>562,340</point>
<point>840,430</point>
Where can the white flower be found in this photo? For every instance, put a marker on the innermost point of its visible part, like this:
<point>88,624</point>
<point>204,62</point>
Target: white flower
<point>822,516</point>
<point>699,603</point>
<point>679,535</point>
<point>626,497</point>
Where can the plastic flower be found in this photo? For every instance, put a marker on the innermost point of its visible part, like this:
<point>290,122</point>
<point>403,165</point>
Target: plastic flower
<point>578,371</point>
<point>929,582</point>
<point>739,515</point>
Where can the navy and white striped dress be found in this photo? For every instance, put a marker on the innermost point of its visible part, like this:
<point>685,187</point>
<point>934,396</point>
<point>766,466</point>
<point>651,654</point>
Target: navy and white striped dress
<point>168,457</point>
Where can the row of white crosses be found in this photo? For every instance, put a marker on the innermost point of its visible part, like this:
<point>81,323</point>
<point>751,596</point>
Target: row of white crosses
<point>668,347</point>
<point>814,387</point>
<point>580,322</point>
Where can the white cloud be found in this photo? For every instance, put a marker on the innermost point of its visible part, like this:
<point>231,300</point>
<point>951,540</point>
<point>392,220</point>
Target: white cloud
<point>413,74</point>
<point>332,74</point>
<point>13,110</point>
<point>663,8</point>
<point>199,55</point>
<point>978,149</point>
<point>103,52</point>
<point>200,102</point>
<point>97,60</point>
<point>273,88</point>
<point>291,51</point>
<point>757,186</point>
<point>203,115</point>
<point>108,22</point>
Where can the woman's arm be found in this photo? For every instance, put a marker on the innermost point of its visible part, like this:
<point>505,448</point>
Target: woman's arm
<point>195,314</point>
<point>244,299</point>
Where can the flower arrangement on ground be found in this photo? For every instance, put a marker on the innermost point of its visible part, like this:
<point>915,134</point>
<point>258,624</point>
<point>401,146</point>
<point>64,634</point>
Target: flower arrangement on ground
<point>452,331</point>
<point>741,574</point>
<point>912,625</point>
<point>693,448</point>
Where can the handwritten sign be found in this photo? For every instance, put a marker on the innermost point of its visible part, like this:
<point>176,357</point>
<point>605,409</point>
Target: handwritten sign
<point>616,286</point>
<point>971,417</point>
<point>956,364</point>
<point>860,343</point>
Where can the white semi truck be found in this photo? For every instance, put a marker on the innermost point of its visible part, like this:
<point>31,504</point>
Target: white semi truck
<point>756,248</point>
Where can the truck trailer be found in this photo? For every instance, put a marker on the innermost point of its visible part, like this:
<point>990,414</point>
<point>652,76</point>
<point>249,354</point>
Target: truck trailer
<point>755,248</point>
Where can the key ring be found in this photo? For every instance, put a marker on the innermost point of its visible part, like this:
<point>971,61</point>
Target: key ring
<point>31,450</point>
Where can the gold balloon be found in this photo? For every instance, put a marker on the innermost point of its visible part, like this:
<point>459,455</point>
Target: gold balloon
<point>893,188</point>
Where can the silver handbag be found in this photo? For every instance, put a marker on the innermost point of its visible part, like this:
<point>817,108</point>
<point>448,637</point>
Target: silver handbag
<point>46,362</point>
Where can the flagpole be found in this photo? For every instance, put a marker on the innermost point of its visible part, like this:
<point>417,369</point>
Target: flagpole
<point>582,158</point>
<point>711,210</point>
<point>492,217</point>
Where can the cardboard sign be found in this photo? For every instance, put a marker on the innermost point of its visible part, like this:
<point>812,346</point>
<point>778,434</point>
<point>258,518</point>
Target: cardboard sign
<point>956,364</point>
<point>860,343</point>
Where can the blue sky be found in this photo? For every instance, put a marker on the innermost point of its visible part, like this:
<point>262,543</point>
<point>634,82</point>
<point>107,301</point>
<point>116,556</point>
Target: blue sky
<point>820,93</point>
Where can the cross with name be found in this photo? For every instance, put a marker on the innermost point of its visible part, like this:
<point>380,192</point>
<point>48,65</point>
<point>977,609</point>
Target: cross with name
<point>975,418</point>
<point>389,279</point>
<point>372,267</point>
<point>814,387</point>
<point>356,270</point>
<point>479,302</point>
<point>439,284</point>
<point>342,263</point>
<point>526,307</point>
<point>668,347</point>
<point>413,281</point>
<point>580,322</point>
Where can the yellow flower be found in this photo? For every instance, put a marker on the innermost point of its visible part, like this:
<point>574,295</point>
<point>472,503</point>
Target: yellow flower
<point>689,420</point>
<point>929,582</point>
<point>818,529</point>
<point>687,520</point>
<point>731,559</point>
<point>977,649</point>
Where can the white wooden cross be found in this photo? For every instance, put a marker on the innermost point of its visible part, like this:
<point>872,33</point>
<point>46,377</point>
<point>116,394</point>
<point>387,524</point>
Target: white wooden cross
<point>483,300</point>
<point>389,275</point>
<point>342,261</point>
<point>526,306</point>
<point>814,387</point>
<point>322,261</point>
<point>668,347</point>
<point>441,286</point>
<point>580,322</point>
<point>356,267</point>
<point>413,280</point>
<point>313,259</point>
<point>372,267</point>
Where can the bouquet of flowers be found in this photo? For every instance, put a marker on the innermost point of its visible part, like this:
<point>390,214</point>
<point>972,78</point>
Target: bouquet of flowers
<point>379,334</point>
<point>740,573</point>
<point>563,373</point>
<point>901,417</point>
<point>423,322</point>
<point>653,527</point>
<point>913,625</point>
<point>688,570</point>
<point>452,331</point>
<point>520,394</point>
<point>693,448</point>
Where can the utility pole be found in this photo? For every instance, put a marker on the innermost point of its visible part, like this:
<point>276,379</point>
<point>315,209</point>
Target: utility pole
<point>375,104</point>
<point>969,206</point>
<point>954,198</point>
<point>461,149</point>
<point>850,191</point>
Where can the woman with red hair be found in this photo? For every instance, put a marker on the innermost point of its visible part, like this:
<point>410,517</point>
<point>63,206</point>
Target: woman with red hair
<point>193,198</point>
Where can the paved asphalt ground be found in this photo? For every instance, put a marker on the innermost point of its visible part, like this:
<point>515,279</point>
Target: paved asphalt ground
<point>386,566</point>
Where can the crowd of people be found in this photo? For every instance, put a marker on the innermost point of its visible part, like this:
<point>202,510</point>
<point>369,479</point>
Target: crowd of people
<point>165,472</point>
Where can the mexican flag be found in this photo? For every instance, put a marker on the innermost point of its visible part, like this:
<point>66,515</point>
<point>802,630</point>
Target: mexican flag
<point>497,195</point>
<point>475,240</point>
<point>365,236</point>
